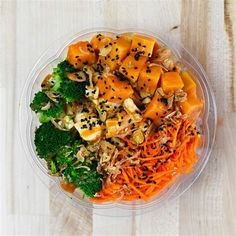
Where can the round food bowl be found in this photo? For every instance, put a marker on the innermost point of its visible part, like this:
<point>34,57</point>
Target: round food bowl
<point>28,120</point>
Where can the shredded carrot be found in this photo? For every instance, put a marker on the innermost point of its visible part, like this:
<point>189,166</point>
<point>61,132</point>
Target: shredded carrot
<point>159,163</point>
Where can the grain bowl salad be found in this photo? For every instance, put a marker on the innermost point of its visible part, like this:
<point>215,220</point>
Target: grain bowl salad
<point>118,118</point>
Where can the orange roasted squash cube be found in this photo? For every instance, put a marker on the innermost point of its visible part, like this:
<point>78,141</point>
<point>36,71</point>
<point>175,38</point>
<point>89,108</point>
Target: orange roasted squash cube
<point>132,66</point>
<point>191,107</point>
<point>81,53</point>
<point>119,50</point>
<point>148,79</point>
<point>190,86</point>
<point>155,51</point>
<point>142,44</point>
<point>171,81</point>
<point>112,89</point>
<point>100,41</point>
<point>157,109</point>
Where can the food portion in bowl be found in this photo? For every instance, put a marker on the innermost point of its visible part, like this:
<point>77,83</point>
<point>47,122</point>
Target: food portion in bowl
<point>118,118</point>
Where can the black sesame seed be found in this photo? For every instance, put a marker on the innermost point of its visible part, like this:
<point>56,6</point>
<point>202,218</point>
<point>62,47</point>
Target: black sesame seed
<point>164,100</point>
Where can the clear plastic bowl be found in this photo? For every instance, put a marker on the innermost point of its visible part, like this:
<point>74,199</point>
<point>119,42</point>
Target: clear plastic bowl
<point>29,121</point>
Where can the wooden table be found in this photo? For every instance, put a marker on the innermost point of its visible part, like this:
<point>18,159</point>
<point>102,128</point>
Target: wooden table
<point>206,27</point>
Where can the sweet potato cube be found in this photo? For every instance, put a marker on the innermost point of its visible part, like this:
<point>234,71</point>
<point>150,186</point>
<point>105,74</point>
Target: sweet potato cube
<point>155,50</point>
<point>142,44</point>
<point>119,50</point>
<point>113,89</point>
<point>189,84</point>
<point>100,41</point>
<point>149,78</point>
<point>132,66</point>
<point>156,109</point>
<point>192,107</point>
<point>171,81</point>
<point>81,53</point>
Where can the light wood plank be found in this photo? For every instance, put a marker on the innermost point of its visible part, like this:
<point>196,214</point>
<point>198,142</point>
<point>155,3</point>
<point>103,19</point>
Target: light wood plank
<point>230,28</point>
<point>206,202</point>
<point>27,28</point>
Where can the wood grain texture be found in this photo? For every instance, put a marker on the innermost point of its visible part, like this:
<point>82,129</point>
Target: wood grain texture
<point>206,28</point>
<point>230,28</point>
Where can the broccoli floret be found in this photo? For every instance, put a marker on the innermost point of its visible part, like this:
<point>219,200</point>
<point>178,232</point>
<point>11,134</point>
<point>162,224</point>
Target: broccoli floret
<point>59,149</point>
<point>48,139</point>
<point>84,177</point>
<point>66,67</point>
<point>82,174</point>
<point>68,89</point>
<point>72,91</point>
<point>92,184</point>
<point>53,167</point>
<point>40,101</point>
